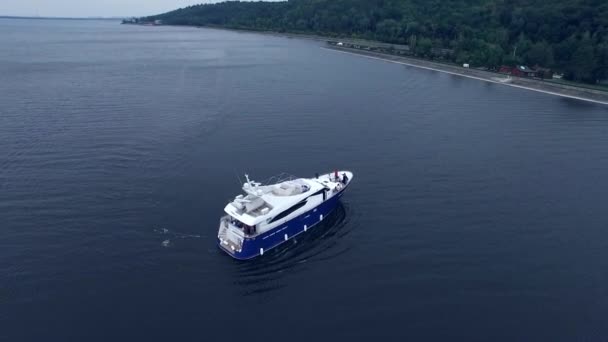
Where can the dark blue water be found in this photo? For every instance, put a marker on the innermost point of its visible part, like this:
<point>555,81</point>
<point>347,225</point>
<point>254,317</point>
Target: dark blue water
<point>478,211</point>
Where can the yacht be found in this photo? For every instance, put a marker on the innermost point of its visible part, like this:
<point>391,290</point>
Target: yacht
<point>267,215</point>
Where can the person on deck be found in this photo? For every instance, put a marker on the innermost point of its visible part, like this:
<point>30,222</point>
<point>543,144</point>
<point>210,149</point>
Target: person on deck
<point>344,179</point>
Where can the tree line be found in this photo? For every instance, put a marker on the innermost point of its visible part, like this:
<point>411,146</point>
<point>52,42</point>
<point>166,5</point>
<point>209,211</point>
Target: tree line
<point>569,36</point>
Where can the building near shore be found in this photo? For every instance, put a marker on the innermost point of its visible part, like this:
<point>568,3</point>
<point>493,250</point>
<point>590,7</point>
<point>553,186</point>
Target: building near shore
<point>519,71</point>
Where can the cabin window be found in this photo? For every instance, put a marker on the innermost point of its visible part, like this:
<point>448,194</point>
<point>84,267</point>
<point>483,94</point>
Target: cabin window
<point>288,211</point>
<point>237,223</point>
<point>249,230</point>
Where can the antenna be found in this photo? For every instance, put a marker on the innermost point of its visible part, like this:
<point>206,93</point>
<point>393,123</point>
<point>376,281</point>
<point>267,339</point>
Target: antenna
<point>238,178</point>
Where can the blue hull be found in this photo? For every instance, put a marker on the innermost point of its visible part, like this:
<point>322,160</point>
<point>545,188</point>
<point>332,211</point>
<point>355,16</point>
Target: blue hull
<point>262,243</point>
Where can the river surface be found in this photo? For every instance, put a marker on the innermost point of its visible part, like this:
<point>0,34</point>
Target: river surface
<point>478,212</point>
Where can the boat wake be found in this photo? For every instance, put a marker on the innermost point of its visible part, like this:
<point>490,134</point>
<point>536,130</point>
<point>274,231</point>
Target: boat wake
<point>174,235</point>
<point>323,242</point>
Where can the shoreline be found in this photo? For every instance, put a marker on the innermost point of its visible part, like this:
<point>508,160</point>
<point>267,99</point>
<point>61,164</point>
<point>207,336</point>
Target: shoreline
<point>566,91</point>
<point>545,87</point>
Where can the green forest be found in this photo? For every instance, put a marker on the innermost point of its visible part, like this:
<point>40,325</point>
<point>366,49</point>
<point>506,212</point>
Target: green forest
<point>568,36</point>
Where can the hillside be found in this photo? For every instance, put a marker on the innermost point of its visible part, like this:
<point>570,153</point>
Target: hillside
<point>570,36</point>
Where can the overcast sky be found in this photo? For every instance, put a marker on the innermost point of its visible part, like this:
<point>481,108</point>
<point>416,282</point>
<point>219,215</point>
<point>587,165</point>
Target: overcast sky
<point>91,8</point>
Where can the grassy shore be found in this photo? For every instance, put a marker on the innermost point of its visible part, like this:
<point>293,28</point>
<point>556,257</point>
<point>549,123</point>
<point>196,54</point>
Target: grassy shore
<point>600,87</point>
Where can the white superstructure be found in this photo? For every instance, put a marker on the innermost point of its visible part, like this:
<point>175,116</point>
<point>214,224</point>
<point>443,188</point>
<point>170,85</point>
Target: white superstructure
<point>263,208</point>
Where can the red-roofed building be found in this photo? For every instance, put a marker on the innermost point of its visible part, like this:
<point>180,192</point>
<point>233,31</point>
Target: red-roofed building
<point>520,71</point>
